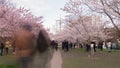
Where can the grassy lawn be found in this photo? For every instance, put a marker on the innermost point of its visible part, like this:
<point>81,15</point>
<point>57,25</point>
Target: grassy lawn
<point>8,61</point>
<point>77,58</point>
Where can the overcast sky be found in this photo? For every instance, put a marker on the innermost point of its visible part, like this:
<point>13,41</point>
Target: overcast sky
<point>49,9</point>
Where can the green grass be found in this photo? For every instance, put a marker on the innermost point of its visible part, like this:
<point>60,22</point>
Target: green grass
<point>8,66</point>
<point>77,58</point>
<point>8,61</point>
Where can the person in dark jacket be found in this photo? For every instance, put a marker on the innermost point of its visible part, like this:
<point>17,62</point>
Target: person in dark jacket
<point>2,46</point>
<point>43,52</point>
<point>56,45</point>
<point>87,47</point>
<point>66,45</point>
<point>63,46</point>
<point>100,46</point>
<point>53,44</point>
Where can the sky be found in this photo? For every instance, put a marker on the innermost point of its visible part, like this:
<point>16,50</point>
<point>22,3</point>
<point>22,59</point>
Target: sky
<point>49,9</point>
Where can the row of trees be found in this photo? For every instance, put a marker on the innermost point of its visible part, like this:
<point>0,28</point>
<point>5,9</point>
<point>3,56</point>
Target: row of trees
<point>87,20</point>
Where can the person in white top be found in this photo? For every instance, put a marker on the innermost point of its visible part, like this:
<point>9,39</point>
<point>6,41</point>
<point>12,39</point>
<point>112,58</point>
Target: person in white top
<point>109,45</point>
<point>92,52</point>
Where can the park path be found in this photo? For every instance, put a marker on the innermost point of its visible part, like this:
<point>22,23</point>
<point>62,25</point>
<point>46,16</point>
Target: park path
<point>56,61</point>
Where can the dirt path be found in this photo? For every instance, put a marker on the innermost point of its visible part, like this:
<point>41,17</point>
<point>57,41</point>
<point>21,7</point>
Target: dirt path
<point>56,61</point>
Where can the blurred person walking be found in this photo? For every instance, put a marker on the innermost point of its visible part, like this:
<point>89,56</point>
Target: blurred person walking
<point>24,46</point>
<point>43,52</point>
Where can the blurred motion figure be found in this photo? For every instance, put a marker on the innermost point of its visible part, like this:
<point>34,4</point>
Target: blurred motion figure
<point>23,41</point>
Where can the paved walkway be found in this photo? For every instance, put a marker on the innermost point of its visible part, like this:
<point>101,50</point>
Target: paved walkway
<point>56,61</point>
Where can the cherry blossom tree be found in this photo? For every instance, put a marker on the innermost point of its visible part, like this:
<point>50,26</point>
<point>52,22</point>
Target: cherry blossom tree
<point>95,30</point>
<point>86,27</point>
<point>109,8</point>
<point>12,18</point>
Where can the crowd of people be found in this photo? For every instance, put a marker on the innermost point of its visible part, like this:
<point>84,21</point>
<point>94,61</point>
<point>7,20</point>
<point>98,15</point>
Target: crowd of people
<point>66,45</point>
<point>90,47</point>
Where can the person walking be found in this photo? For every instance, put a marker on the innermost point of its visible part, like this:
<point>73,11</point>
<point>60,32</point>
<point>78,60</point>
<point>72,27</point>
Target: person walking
<point>43,52</point>
<point>92,51</point>
<point>56,45</point>
<point>53,44</point>
<point>23,41</point>
<point>100,45</point>
<point>109,46</point>
<point>66,46</point>
<point>2,46</point>
<point>7,44</point>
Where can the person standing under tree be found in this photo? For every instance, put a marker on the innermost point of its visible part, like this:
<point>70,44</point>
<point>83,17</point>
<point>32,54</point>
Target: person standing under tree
<point>1,48</point>
<point>92,51</point>
<point>7,44</point>
<point>109,46</point>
